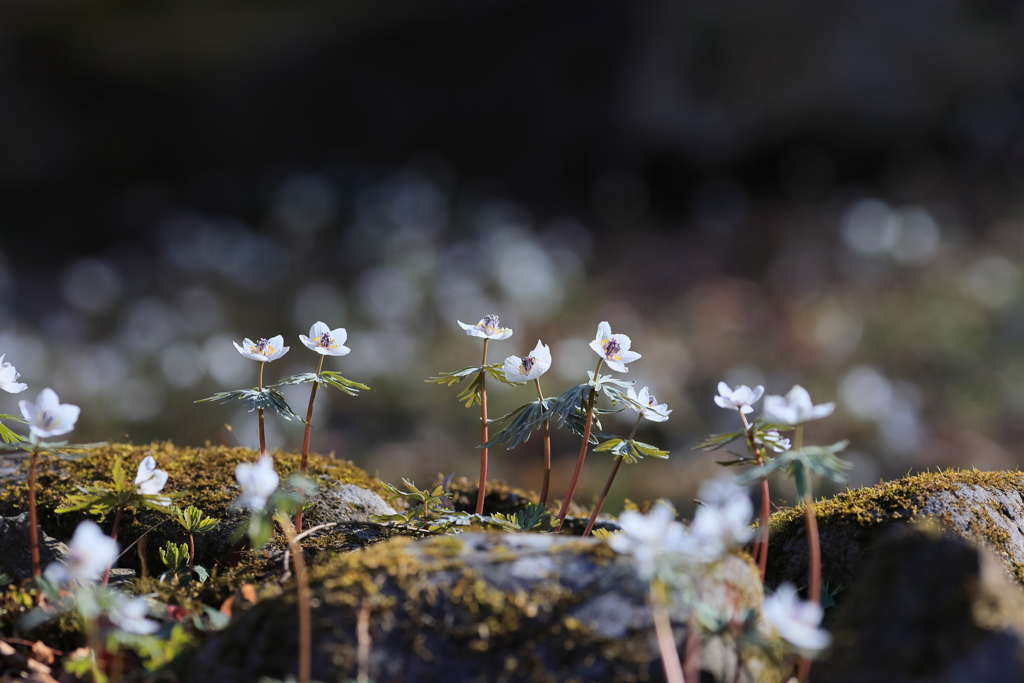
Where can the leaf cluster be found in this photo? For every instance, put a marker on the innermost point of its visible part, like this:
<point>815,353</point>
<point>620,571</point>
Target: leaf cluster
<point>175,557</point>
<point>534,517</point>
<point>194,520</point>
<point>120,493</point>
<point>471,394</point>
<point>6,434</point>
<point>326,378</point>
<point>268,399</point>
<point>820,460</point>
<point>631,450</point>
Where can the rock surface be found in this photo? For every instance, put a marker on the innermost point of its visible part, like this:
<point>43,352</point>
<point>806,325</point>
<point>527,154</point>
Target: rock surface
<point>479,607</point>
<point>928,607</point>
<point>16,559</point>
<point>986,507</point>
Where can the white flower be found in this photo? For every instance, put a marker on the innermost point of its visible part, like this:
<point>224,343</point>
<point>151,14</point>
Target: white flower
<point>488,328</point>
<point>264,350</point>
<point>130,616</point>
<point>149,480</point>
<point>773,440</point>
<point>258,482</point>
<point>796,620</point>
<point>326,341</point>
<point>723,521</point>
<point>48,416</point>
<point>741,398</point>
<point>614,348</point>
<point>651,409</point>
<point>9,378</point>
<point>795,407</point>
<point>648,537</point>
<point>90,553</point>
<point>529,368</point>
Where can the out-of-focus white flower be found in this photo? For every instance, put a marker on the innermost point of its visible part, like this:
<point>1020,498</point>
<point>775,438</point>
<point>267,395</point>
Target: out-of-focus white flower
<point>258,481</point>
<point>263,350</point>
<point>722,522</point>
<point>797,621</point>
<point>614,348</point>
<point>742,398</point>
<point>9,378</point>
<point>149,480</point>
<point>90,553</point>
<point>529,368</point>
<point>795,407</point>
<point>130,616</point>
<point>48,416</point>
<point>488,328</point>
<point>326,341</point>
<point>773,440</point>
<point>648,537</point>
<point>648,405</point>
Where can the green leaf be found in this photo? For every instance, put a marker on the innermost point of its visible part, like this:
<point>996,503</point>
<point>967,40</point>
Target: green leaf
<point>201,573</point>
<point>525,419</point>
<point>193,520</point>
<point>716,441</point>
<point>254,399</point>
<point>7,435</point>
<point>326,378</point>
<point>821,460</point>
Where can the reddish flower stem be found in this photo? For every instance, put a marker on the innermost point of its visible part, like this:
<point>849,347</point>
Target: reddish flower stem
<point>608,484</point>
<point>547,449</point>
<point>113,535</point>
<point>583,452</point>
<point>263,435</point>
<point>33,522</point>
<point>663,630</point>
<point>761,542</point>
<point>305,444</point>
<point>482,490</point>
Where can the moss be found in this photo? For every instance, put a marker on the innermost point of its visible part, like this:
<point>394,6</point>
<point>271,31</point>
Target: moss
<point>850,521</point>
<point>205,475</point>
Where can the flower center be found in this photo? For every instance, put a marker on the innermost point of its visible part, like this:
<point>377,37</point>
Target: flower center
<point>47,418</point>
<point>651,401</point>
<point>262,347</point>
<point>611,349</point>
<point>325,340</point>
<point>489,324</point>
<point>527,364</point>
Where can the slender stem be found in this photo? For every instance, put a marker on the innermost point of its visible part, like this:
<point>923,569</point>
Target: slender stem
<point>191,550</point>
<point>33,522</point>
<point>363,644</point>
<point>608,484</point>
<point>482,491</point>
<point>263,434</point>
<point>692,649</point>
<point>583,452</point>
<point>305,443</point>
<point>813,551</point>
<point>761,542</point>
<point>547,449</point>
<point>113,535</point>
<point>303,598</point>
<point>663,631</point>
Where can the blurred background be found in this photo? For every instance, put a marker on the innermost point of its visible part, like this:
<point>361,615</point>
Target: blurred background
<point>792,192</point>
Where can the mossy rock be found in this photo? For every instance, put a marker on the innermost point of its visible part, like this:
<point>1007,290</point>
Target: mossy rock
<point>480,607</point>
<point>929,606</point>
<point>986,507</point>
<point>206,477</point>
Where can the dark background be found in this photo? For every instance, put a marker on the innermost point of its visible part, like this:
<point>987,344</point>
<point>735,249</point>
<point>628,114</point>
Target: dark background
<point>766,193</point>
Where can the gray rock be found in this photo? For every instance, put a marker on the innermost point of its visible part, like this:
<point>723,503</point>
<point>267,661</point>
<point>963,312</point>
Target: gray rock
<point>928,608</point>
<point>16,559</point>
<point>481,607</point>
<point>349,503</point>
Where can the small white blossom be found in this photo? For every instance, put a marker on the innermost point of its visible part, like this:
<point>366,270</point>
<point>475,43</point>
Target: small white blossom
<point>741,398</point>
<point>264,350</point>
<point>149,480</point>
<point>488,328</point>
<point>326,341</point>
<point>773,440</point>
<point>258,481</point>
<point>9,378</point>
<point>48,416</point>
<point>90,553</point>
<point>130,616</point>
<point>796,620</point>
<point>614,348</point>
<point>649,406</point>
<point>795,407</point>
<point>529,368</point>
<point>648,537</point>
<point>723,521</point>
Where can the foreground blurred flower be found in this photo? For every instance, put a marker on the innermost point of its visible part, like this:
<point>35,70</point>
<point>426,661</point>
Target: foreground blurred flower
<point>723,521</point>
<point>648,405</point>
<point>795,407</point>
<point>529,368</point>
<point>48,416</point>
<point>742,398</point>
<point>796,620</point>
<point>9,378</point>
<point>149,480</point>
<point>263,350</point>
<point>613,348</point>
<point>130,616</point>
<point>90,553</point>
<point>258,481</point>
<point>488,328</point>
<point>326,341</point>
<point>648,537</point>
